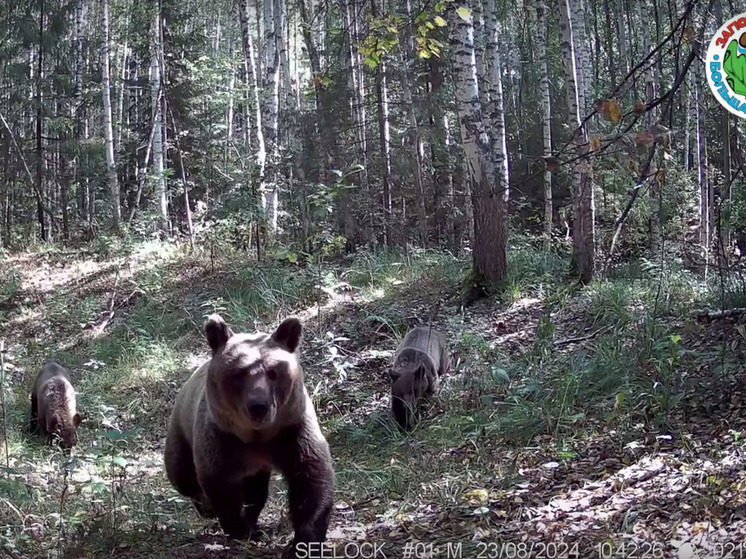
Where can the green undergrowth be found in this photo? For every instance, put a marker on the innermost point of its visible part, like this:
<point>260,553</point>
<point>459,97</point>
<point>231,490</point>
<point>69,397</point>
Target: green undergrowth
<point>111,493</point>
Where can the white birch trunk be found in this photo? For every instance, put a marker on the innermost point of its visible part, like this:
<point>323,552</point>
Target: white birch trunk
<point>271,91</point>
<point>546,106</point>
<point>156,96</point>
<point>489,251</point>
<point>494,110</point>
<point>583,203</point>
<point>111,169</point>
<point>251,77</point>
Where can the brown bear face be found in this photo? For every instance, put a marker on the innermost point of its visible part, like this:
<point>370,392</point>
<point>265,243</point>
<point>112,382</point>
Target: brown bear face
<point>251,377</point>
<point>64,429</point>
<point>409,384</point>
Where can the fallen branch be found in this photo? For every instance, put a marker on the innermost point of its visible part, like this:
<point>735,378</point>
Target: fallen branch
<point>581,338</point>
<point>112,311</point>
<point>706,316</point>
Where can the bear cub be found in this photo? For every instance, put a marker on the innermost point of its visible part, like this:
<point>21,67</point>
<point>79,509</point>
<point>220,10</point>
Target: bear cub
<point>240,415</point>
<point>53,406</point>
<point>420,359</point>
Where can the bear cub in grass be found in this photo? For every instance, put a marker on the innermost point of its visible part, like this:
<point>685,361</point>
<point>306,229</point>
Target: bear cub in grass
<point>420,359</point>
<point>53,407</point>
<point>240,415</point>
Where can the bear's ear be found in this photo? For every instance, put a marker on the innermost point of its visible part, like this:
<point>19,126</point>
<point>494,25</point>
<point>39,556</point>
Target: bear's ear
<point>288,334</point>
<point>217,332</point>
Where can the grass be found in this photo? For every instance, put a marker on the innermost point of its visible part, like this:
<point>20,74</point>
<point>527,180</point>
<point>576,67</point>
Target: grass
<point>111,496</point>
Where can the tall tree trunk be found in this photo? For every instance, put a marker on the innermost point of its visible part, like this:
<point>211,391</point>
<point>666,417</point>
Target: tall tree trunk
<point>441,157</point>
<point>384,134</point>
<point>495,114</point>
<point>489,251</point>
<point>581,46</point>
<point>251,81</point>
<point>111,169</point>
<point>271,91</point>
<point>704,189</point>
<point>610,41</point>
<point>229,110</point>
<point>157,90</point>
<point>541,54</point>
<point>583,203</point>
<point>407,54</point>
<point>656,202</point>
<point>39,129</point>
<point>725,134</point>
<point>78,115</point>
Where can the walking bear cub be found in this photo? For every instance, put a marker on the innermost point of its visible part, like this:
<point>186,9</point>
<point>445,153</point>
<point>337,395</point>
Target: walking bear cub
<point>241,414</point>
<point>420,359</point>
<point>53,406</point>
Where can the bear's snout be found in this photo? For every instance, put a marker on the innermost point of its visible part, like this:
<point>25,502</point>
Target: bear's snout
<point>258,405</point>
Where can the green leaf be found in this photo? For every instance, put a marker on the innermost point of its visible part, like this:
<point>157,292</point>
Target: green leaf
<point>464,14</point>
<point>119,461</point>
<point>439,21</point>
<point>424,54</point>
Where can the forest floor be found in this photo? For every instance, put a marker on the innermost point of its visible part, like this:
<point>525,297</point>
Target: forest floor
<point>595,422</point>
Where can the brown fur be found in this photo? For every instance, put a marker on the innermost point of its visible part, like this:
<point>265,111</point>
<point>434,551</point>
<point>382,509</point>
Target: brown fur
<point>240,415</point>
<point>53,406</point>
<point>418,363</point>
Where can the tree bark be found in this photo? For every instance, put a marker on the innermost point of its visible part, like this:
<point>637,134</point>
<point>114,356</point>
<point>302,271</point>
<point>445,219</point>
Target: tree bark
<point>157,90</point>
<point>384,133</point>
<point>489,251</point>
<point>111,169</point>
<point>541,54</point>
<point>407,56</point>
<point>583,260</point>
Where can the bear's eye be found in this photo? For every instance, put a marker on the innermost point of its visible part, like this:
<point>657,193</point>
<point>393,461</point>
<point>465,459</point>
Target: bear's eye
<point>272,374</point>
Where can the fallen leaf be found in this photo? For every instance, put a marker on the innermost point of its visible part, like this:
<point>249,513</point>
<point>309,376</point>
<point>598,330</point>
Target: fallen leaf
<point>477,496</point>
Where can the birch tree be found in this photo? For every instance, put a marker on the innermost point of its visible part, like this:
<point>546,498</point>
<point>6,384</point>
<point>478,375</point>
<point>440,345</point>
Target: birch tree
<point>271,91</point>
<point>156,96</point>
<point>111,169</point>
<point>582,189</point>
<point>495,112</point>
<point>489,254</point>
<point>406,52</point>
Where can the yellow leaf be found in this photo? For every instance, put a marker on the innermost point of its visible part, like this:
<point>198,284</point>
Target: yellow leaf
<point>639,107</point>
<point>464,14</point>
<point>615,111</point>
<point>439,21</point>
<point>595,144</point>
<point>477,496</point>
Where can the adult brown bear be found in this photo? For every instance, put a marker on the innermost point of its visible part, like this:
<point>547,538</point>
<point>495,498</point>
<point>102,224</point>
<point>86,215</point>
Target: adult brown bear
<point>420,359</point>
<point>53,406</point>
<point>241,414</point>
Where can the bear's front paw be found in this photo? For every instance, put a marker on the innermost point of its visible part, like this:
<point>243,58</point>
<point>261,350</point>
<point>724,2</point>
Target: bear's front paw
<point>204,510</point>
<point>235,528</point>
